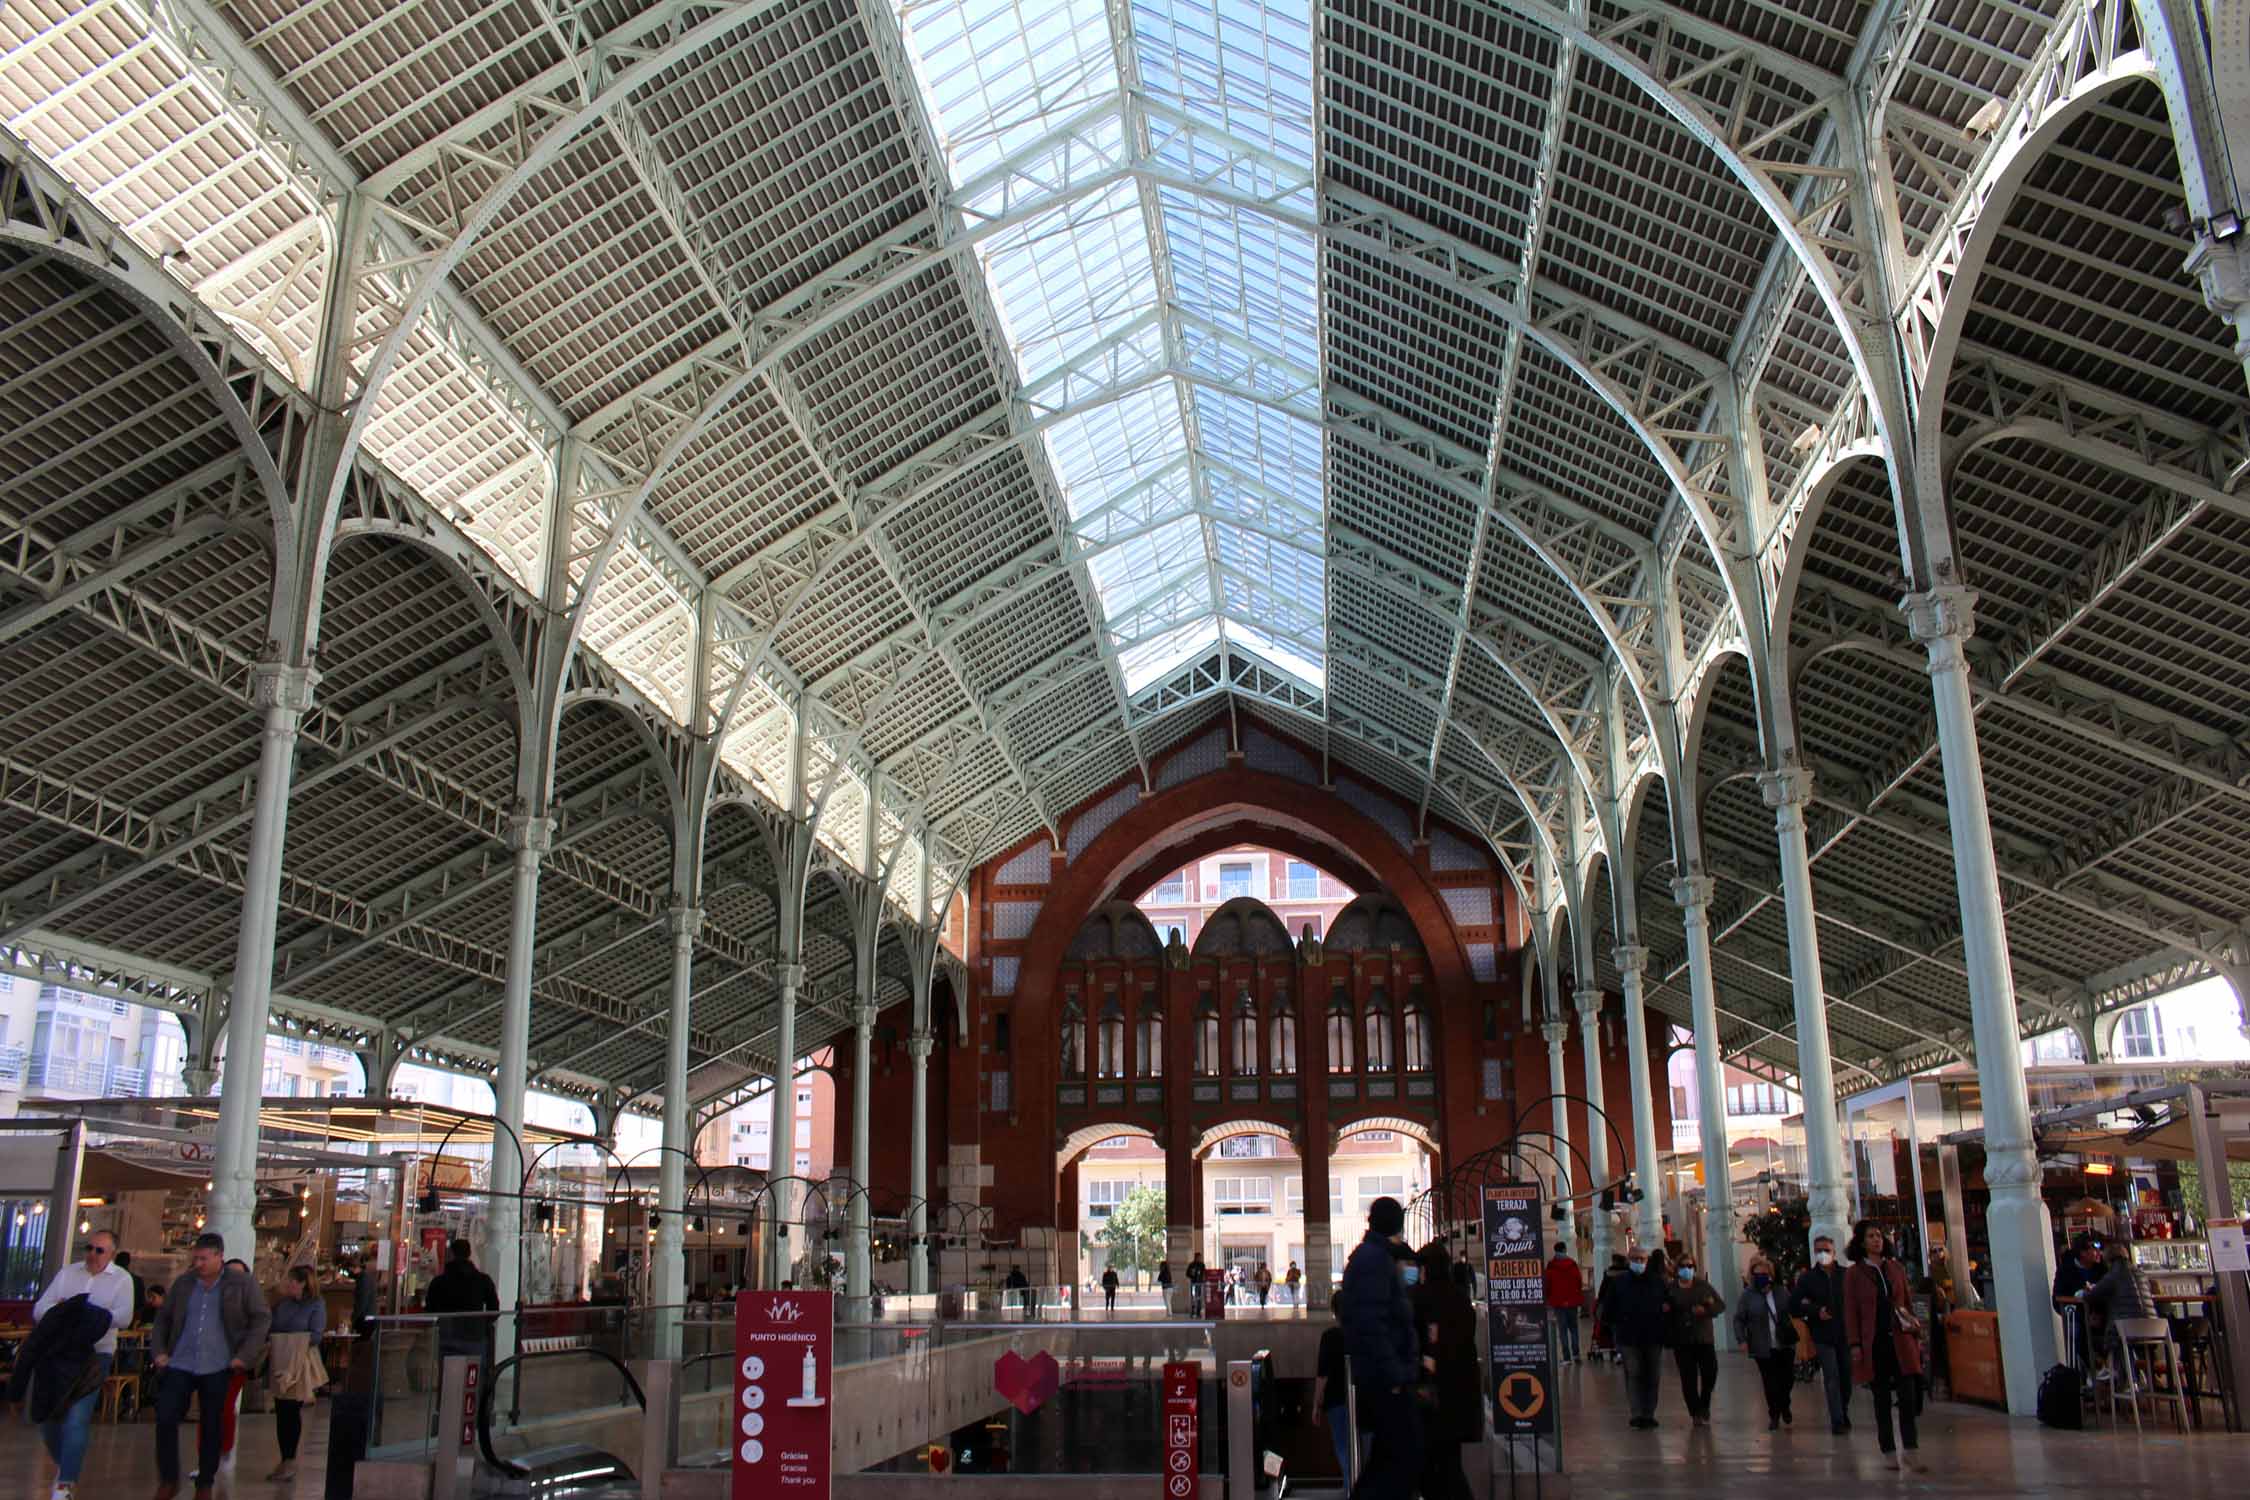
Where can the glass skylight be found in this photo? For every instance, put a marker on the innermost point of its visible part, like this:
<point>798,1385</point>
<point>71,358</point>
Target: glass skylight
<point>1168,334</point>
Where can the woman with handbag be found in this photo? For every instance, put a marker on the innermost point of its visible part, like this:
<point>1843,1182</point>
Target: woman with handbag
<point>1885,1339</point>
<point>299,1317</point>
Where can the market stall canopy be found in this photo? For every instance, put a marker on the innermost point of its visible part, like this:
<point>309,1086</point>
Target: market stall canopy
<point>2151,1123</point>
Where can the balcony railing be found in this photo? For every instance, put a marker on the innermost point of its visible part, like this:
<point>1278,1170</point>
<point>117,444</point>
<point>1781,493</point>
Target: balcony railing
<point>77,1078</point>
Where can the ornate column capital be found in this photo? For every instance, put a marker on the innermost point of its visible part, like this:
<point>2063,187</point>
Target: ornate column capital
<point>1556,1032</point>
<point>863,1016</point>
<point>1632,960</point>
<point>1791,786</point>
<point>531,836</point>
<point>1945,612</point>
<point>1942,619</point>
<point>790,977</point>
<point>1693,894</point>
<point>273,685</point>
<point>919,1045</point>
<point>685,921</point>
<point>1589,1004</point>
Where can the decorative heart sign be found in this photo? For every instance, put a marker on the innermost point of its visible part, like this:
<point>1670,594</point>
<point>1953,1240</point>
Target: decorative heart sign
<point>1026,1383</point>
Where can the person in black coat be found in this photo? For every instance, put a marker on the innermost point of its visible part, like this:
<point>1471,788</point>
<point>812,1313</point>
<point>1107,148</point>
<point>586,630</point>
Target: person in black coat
<point>1447,1321</point>
<point>1385,1353</point>
<point>1636,1313</point>
<point>1818,1298</point>
<point>462,1289</point>
<point>56,1365</point>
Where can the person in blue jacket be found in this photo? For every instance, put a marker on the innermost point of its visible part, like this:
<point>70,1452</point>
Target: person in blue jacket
<point>1385,1355</point>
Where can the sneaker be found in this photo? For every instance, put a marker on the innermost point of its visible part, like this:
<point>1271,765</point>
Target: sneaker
<point>61,1491</point>
<point>1913,1461</point>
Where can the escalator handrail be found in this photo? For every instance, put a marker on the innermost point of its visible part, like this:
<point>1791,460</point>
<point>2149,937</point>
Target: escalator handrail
<point>484,1400</point>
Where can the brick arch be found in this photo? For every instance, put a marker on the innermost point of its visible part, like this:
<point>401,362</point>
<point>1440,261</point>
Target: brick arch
<point>1233,805</point>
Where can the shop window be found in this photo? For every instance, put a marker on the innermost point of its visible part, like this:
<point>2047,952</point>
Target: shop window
<point>1073,1041</point>
<point>1207,1039</point>
<point>1417,1026</point>
<point>1282,1056</point>
<point>1245,1031</point>
<point>1148,1039</point>
<point>1379,1033</point>
<point>1340,1046</point>
<point>1110,1059</point>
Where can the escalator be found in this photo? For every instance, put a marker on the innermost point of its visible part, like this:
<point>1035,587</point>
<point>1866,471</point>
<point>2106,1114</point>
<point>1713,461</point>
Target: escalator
<point>540,1458</point>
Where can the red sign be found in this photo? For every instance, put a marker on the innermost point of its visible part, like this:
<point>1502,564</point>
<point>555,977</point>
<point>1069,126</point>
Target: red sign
<point>469,1406</point>
<point>1214,1297</point>
<point>782,1394</point>
<point>1181,1385</point>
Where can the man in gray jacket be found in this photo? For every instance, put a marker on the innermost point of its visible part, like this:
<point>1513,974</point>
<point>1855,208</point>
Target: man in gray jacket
<point>212,1326</point>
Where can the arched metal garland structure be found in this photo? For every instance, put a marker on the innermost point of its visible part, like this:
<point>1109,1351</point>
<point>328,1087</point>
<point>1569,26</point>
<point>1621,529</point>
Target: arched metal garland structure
<point>564,526</point>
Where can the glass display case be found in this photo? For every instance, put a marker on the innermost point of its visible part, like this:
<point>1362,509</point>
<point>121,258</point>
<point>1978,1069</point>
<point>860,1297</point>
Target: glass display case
<point>2161,1256</point>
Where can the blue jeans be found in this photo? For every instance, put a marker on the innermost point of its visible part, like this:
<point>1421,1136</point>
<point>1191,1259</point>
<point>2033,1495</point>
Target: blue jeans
<point>1566,1332</point>
<point>66,1435</point>
<point>174,1387</point>
<point>1340,1434</point>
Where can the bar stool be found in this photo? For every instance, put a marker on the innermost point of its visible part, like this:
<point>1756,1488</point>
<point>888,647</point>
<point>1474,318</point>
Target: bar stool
<point>2149,1337</point>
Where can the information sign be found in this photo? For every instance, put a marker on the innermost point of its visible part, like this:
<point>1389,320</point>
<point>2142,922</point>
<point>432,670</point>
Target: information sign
<point>1523,1370</point>
<point>1182,1384</point>
<point>782,1364</point>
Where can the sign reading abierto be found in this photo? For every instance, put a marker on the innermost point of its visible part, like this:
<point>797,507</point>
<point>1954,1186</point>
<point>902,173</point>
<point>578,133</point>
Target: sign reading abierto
<point>1523,1374</point>
<point>781,1394</point>
<point>1182,1382</point>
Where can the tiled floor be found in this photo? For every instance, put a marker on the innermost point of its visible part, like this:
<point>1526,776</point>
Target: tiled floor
<point>1970,1450</point>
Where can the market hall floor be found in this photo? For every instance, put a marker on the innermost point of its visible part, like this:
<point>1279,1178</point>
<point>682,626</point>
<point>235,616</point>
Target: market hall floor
<point>1970,1451</point>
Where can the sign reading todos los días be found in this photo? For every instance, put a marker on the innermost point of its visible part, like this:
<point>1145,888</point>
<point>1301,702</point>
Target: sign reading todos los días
<point>782,1365</point>
<point>1523,1374</point>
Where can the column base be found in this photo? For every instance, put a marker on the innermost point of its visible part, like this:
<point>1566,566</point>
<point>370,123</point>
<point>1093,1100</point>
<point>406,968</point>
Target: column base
<point>2023,1279</point>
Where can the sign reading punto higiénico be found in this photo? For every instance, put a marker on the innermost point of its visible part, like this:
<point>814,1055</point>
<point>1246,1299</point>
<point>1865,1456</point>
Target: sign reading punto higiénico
<point>782,1348</point>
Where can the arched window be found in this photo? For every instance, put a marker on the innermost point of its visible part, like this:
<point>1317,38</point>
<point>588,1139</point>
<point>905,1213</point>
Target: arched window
<point>1281,1057</point>
<point>1417,1026</point>
<point>1245,1033</point>
<point>1148,1037</point>
<point>1073,1040</point>
<point>1340,1045</point>
<point>1109,1061</point>
<point>1378,1032</point>
<point>1207,1039</point>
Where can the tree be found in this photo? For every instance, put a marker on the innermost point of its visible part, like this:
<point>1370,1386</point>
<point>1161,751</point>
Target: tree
<point>1781,1235</point>
<point>1134,1234</point>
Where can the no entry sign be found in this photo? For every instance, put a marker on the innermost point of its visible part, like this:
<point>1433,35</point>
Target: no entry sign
<point>1181,1384</point>
<point>782,1405</point>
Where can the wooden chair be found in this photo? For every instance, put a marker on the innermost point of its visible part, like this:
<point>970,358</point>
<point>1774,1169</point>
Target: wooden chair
<point>121,1396</point>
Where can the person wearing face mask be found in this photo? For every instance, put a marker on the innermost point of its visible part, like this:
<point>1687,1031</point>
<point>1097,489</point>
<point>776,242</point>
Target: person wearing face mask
<point>1818,1299</point>
<point>1762,1328</point>
<point>1385,1355</point>
<point>1885,1341</point>
<point>1695,1306</point>
<point>1633,1310</point>
<point>1446,1319</point>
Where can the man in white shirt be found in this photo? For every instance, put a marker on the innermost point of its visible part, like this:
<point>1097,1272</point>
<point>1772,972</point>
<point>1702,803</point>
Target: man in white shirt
<point>106,1286</point>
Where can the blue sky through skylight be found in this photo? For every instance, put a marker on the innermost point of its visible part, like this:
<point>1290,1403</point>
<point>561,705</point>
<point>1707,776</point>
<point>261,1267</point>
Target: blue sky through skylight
<point>1196,500</point>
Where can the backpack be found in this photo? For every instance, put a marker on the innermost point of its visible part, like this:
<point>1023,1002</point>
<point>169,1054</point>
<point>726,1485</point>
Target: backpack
<point>2060,1399</point>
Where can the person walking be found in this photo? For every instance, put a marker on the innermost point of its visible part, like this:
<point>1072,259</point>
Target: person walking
<point>1263,1282</point>
<point>1197,1274</point>
<point>140,1289</point>
<point>1294,1285</point>
<point>1446,1319</point>
<point>1634,1310</point>
<point>1109,1288</point>
<point>1332,1399</point>
<point>463,1293</point>
<point>107,1286</point>
<point>1818,1300</point>
<point>1695,1306</point>
<point>1566,1293</point>
<point>211,1328</point>
<point>1763,1329</point>
<point>1164,1284</point>
<point>1385,1355</point>
<point>298,1311</point>
<point>1018,1289</point>
<point>1885,1342</point>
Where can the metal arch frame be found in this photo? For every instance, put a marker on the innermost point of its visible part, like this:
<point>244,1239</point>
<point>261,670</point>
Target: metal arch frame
<point>70,232</point>
<point>1757,175</point>
<point>1936,306</point>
